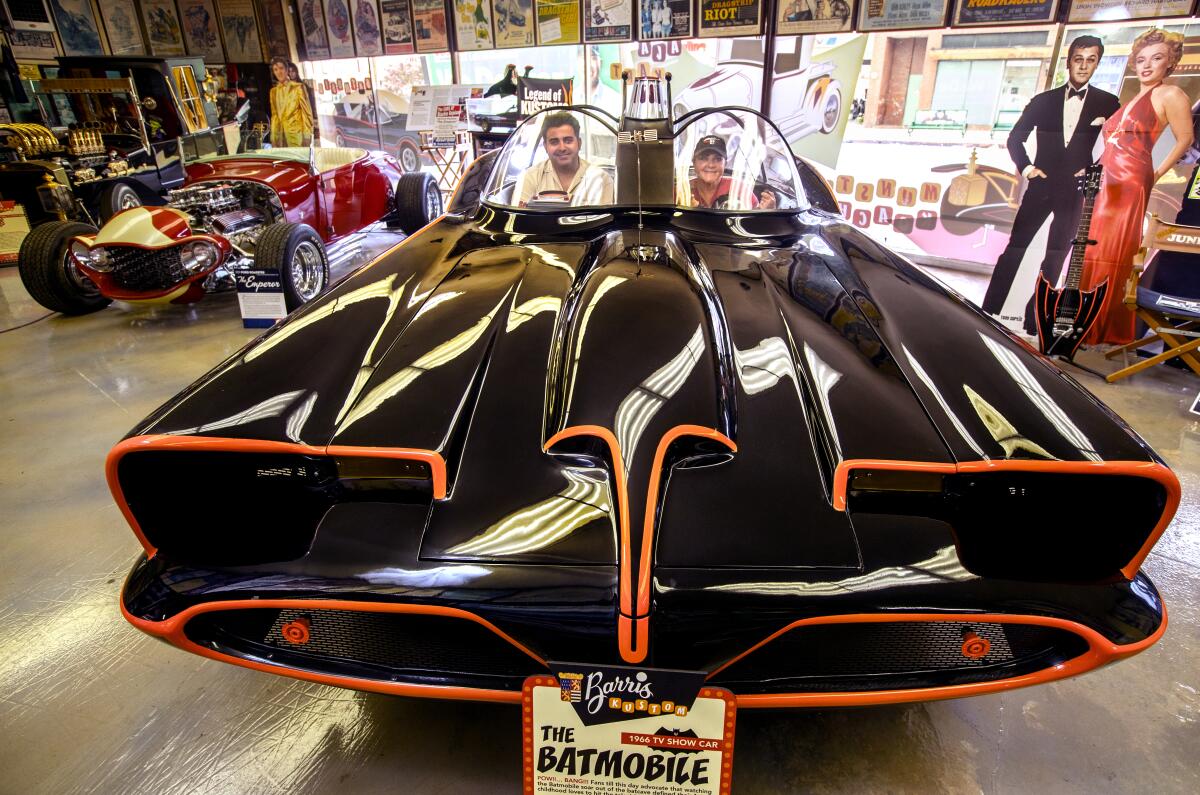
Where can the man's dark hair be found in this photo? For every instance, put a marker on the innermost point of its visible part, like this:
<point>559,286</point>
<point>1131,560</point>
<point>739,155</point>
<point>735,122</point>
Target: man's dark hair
<point>1082,42</point>
<point>559,119</point>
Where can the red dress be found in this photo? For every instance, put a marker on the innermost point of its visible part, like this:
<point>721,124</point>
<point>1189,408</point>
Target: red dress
<point>1129,137</point>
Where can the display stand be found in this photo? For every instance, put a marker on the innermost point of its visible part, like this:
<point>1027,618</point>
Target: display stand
<point>449,161</point>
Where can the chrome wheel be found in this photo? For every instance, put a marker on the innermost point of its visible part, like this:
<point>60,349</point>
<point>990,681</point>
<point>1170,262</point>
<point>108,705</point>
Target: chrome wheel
<point>87,288</point>
<point>409,160</point>
<point>433,201</point>
<point>129,200</point>
<point>307,270</point>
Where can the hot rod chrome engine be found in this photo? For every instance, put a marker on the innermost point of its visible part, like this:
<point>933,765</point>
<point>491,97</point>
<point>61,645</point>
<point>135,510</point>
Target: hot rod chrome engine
<point>237,211</point>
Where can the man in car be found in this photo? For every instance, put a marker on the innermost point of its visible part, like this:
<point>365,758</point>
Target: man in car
<point>564,175</point>
<point>712,189</point>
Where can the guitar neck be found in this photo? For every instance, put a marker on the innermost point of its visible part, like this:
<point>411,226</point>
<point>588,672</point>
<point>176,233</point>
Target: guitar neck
<point>1079,247</point>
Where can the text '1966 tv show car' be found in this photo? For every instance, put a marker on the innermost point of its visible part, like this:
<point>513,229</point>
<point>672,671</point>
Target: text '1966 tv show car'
<point>273,209</point>
<point>658,408</point>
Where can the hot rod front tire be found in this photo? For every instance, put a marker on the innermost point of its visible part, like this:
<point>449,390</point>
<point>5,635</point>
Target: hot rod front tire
<point>50,275</point>
<point>418,201</point>
<point>296,253</point>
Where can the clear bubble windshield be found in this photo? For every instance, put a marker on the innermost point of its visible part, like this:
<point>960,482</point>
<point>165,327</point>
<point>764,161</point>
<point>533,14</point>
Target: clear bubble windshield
<point>736,161</point>
<point>556,160</point>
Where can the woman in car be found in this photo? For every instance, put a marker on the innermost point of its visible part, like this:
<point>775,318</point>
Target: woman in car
<point>711,188</point>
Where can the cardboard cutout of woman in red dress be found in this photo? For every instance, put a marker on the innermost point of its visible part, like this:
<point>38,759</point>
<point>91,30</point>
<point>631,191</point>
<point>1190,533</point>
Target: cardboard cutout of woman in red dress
<point>1129,176</point>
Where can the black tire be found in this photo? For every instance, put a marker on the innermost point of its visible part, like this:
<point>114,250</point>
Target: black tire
<point>49,274</point>
<point>418,201</point>
<point>296,253</point>
<point>117,197</point>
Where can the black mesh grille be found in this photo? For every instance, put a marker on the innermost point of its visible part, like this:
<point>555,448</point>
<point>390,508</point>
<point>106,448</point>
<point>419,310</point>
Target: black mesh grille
<point>388,646</point>
<point>146,268</point>
<point>889,652</point>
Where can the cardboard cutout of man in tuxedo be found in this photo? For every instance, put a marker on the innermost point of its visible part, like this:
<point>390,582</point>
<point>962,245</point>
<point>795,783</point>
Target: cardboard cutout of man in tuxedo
<point>1068,120</point>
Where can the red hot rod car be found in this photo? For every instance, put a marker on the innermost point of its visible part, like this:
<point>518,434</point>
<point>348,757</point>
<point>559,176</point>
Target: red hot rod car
<point>273,209</point>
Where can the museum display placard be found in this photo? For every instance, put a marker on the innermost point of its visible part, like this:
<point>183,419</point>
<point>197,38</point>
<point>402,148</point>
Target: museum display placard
<point>162,27</point>
<point>1115,10</point>
<point>77,27</point>
<point>515,23</point>
<point>200,32</point>
<point>429,25</point>
<point>242,43</point>
<point>121,25</point>
<point>616,730</point>
<point>795,17</point>
<point>968,13</point>
<point>557,21</point>
<point>607,21</point>
<point>664,19</point>
<point>472,25</point>
<point>729,18</point>
<point>312,29</point>
<point>901,14</point>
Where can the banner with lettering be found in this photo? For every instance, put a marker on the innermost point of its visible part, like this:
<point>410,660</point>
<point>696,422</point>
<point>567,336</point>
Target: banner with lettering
<point>538,93</point>
<point>730,18</point>
<point>901,14</point>
<point>1004,12</point>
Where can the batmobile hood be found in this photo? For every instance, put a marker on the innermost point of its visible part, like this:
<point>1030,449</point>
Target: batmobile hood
<point>592,393</point>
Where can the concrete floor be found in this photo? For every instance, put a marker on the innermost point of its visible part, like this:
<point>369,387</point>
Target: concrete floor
<point>88,704</point>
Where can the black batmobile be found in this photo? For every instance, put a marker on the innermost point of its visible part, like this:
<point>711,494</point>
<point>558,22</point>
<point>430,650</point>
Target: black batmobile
<point>611,425</point>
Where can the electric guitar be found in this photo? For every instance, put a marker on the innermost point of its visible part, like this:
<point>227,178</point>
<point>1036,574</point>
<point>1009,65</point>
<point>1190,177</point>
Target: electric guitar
<point>1065,316</point>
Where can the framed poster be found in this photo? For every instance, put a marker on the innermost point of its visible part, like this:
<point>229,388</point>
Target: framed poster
<point>121,25</point>
<point>514,23</point>
<point>607,20</point>
<point>472,25</point>
<point>341,40</point>
<point>241,31</point>
<point>367,39</point>
<point>1113,10</point>
<point>968,13</point>
<point>274,28</point>
<point>162,27</point>
<point>664,19</point>
<point>558,21</point>
<point>901,14</point>
<point>397,27</point>
<point>33,45</point>
<point>77,27</point>
<point>312,29</point>
<point>795,17</point>
<point>429,25</point>
<point>200,29</point>
<point>729,18</point>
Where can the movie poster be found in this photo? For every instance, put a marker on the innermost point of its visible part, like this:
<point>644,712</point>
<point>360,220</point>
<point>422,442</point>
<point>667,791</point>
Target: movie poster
<point>337,20</point>
<point>312,28</point>
<point>397,27</point>
<point>162,27</point>
<point>472,25</point>
<point>607,21</point>
<point>367,38</point>
<point>729,18</point>
<point>274,28</point>
<point>241,31</point>
<point>200,29</point>
<point>558,21</point>
<point>1113,10</point>
<point>515,20</point>
<point>794,17</point>
<point>120,22</point>
<point>1004,12</point>
<point>664,19</point>
<point>77,27</point>
<point>429,22</point>
<point>901,14</point>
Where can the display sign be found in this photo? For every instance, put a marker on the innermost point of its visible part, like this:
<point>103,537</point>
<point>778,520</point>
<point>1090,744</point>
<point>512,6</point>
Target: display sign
<point>901,14</point>
<point>162,27</point>
<point>424,101</point>
<point>664,19</point>
<point>397,27</point>
<point>472,25</point>
<point>515,23</point>
<point>312,28</point>
<point>729,18</point>
<point>337,18</point>
<point>120,22</point>
<point>446,123</point>
<point>260,297</point>
<point>538,93</point>
<point>607,20</point>
<point>1004,12</point>
<point>794,17</point>
<point>241,31</point>
<point>368,40</point>
<point>611,730</point>
<point>1113,10</point>
<point>429,24</point>
<point>557,21</point>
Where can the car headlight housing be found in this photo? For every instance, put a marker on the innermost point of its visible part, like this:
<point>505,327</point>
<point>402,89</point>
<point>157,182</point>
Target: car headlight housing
<point>96,258</point>
<point>199,256</point>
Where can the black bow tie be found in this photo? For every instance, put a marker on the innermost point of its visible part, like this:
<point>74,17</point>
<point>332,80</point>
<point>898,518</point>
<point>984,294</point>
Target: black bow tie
<point>1076,92</point>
